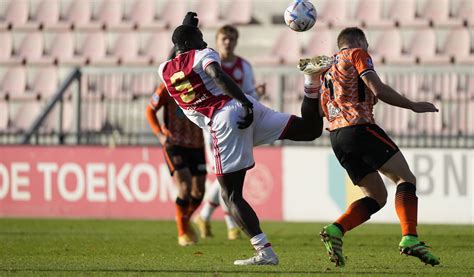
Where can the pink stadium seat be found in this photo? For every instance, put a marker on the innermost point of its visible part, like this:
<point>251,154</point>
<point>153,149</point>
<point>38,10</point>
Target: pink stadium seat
<point>143,84</point>
<point>14,82</point>
<point>16,15</point>
<point>457,45</point>
<point>142,15</point>
<point>388,48</point>
<point>369,13</point>
<point>437,12</point>
<point>4,115</point>
<point>126,48</point>
<point>110,14</point>
<point>79,15</point>
<point>321,42</point>
<point>244,16</point>
<point>6,49</point>
<point>93,116</point>
<point>334,13</point>
<point>208,11</point>
<point>47,13</point>
<point>173,13</point>
<point>45,82</point>
<point>157,47</point>
<point>94,49</point>
<point>62,49</point>
<point>286,49</point>
<point>466,12</point>
<point>51,123</point>
<point>31,48</point>
<point>403,12</point>
<point>25,116</point>
<point>423,47</point>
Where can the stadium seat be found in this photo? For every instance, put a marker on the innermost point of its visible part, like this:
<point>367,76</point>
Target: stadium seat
<point>126,48</point>
<point>321,42</point>
<point>62,50</point>
<point>110,16</point>
<point>157,48</point>
<point>79,14</point>
<point>45,82</point>
<point>4,115</point>
<point>31,49</point>
<point>6,50</point>
<point>369,14</point>
<point>51,123</point>
<point>14,82</point>
<point>457,46</point>
<point>93,116</point>
<point>25,116</point>
<point>437,12</point>
<point>94,50</point>
<point>334,13</point>
<point>244,16</point>
<point>403,13</point>
<point>286,49</point>
<point>143,84</point>
<point>142,15</point>
<point>47,14</point>
<point>16,16</point>
<point>208,11</point>
<point>423,48</point>
<point>388,48</point>
<point>466,12</point>
<point>173,13</point>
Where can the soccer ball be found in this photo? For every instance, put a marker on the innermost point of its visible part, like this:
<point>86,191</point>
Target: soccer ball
<point>300,16</point>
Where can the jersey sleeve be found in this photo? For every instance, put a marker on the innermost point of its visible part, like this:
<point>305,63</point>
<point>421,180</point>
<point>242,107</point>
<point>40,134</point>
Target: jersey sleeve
<point>209,56</point>
<point>248,85</point>
<point>159,97</point>
<point>362,62</point>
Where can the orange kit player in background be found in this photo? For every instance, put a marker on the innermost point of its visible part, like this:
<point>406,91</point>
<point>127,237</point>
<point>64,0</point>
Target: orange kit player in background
<point>349,91</point>
<point>241,72</point>
<point>183,147</point>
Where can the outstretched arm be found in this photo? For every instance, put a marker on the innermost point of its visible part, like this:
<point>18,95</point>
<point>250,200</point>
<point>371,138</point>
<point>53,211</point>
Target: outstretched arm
<point>230,88</point>
<point>392,97</point>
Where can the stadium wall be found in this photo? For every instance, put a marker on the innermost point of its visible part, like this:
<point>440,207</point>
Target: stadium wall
<point>288,183</point>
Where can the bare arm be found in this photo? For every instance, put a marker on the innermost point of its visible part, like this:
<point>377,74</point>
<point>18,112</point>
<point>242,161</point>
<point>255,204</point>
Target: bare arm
<point>227,85</point>
<point>392,97</point>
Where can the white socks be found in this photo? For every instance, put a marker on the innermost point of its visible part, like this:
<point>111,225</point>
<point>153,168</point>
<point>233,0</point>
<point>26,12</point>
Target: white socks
<point>261,244</point>
<point>312,85</point>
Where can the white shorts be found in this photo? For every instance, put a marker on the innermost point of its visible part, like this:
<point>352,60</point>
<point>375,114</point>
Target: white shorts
<point>233,147</point>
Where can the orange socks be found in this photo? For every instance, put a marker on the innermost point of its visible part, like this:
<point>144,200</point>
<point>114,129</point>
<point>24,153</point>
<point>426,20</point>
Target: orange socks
<point>182,219</point>
<point>406,204</point>
<point>357,213</point>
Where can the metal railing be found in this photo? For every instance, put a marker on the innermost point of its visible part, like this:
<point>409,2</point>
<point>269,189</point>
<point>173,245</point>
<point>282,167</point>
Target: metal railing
<point>109,103</point>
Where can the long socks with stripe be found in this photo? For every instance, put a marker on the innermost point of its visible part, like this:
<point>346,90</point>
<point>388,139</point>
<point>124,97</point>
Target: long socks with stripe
<point>357,213</point>
<point>406,204</point>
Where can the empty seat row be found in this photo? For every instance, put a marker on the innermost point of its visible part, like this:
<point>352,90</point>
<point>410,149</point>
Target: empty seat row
<point>399,13</point>
<point>112,14</point>
<point>388,47</point>
<point>94,49</point>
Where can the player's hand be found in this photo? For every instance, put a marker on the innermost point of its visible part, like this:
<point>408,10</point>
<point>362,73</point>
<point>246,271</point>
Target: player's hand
<point>423,107</point>
<point>162,139</point>
<point>316,65</point>
<point>247,118</point>
<point>191,19</point>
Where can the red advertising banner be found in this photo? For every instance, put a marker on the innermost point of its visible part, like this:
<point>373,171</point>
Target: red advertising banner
<point>101,182</point>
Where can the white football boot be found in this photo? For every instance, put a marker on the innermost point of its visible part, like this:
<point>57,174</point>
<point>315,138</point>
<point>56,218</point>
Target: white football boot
<point>261,258</point>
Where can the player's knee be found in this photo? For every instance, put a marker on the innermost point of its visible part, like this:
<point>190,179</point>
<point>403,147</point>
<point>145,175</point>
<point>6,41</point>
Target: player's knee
<point>408,178</point>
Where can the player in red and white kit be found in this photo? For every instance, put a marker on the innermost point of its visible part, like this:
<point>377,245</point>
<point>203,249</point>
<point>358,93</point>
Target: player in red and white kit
<point>210,99</point>
<point>241,72</point>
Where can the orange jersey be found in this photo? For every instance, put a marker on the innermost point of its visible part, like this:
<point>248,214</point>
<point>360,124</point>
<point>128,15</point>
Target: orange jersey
<point>345,99</point>
<point>179,129</point>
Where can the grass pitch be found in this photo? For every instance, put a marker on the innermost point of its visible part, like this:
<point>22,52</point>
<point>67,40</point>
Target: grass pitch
<point>43,247</point>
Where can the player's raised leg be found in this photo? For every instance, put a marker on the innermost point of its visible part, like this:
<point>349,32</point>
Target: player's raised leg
<point>406,205</point>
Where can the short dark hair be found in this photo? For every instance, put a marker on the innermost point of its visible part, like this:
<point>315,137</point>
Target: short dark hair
<point>349,35</point>
<point>228,30</point>
<point>183,33</point>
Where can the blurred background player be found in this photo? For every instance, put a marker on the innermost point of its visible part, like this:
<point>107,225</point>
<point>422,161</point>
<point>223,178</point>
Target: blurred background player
<point>241,72</point>
<point>183,148</point>
<point>213,101</point>
<point>349,91</point>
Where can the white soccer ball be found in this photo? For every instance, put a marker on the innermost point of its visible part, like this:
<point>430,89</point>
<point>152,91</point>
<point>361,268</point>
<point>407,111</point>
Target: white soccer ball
<point>300,16</point>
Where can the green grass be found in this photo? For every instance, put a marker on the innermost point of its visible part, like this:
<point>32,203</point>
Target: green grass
<point>42,247</point>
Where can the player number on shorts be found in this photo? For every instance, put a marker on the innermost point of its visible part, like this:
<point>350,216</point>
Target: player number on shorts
<point>182,85</point>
